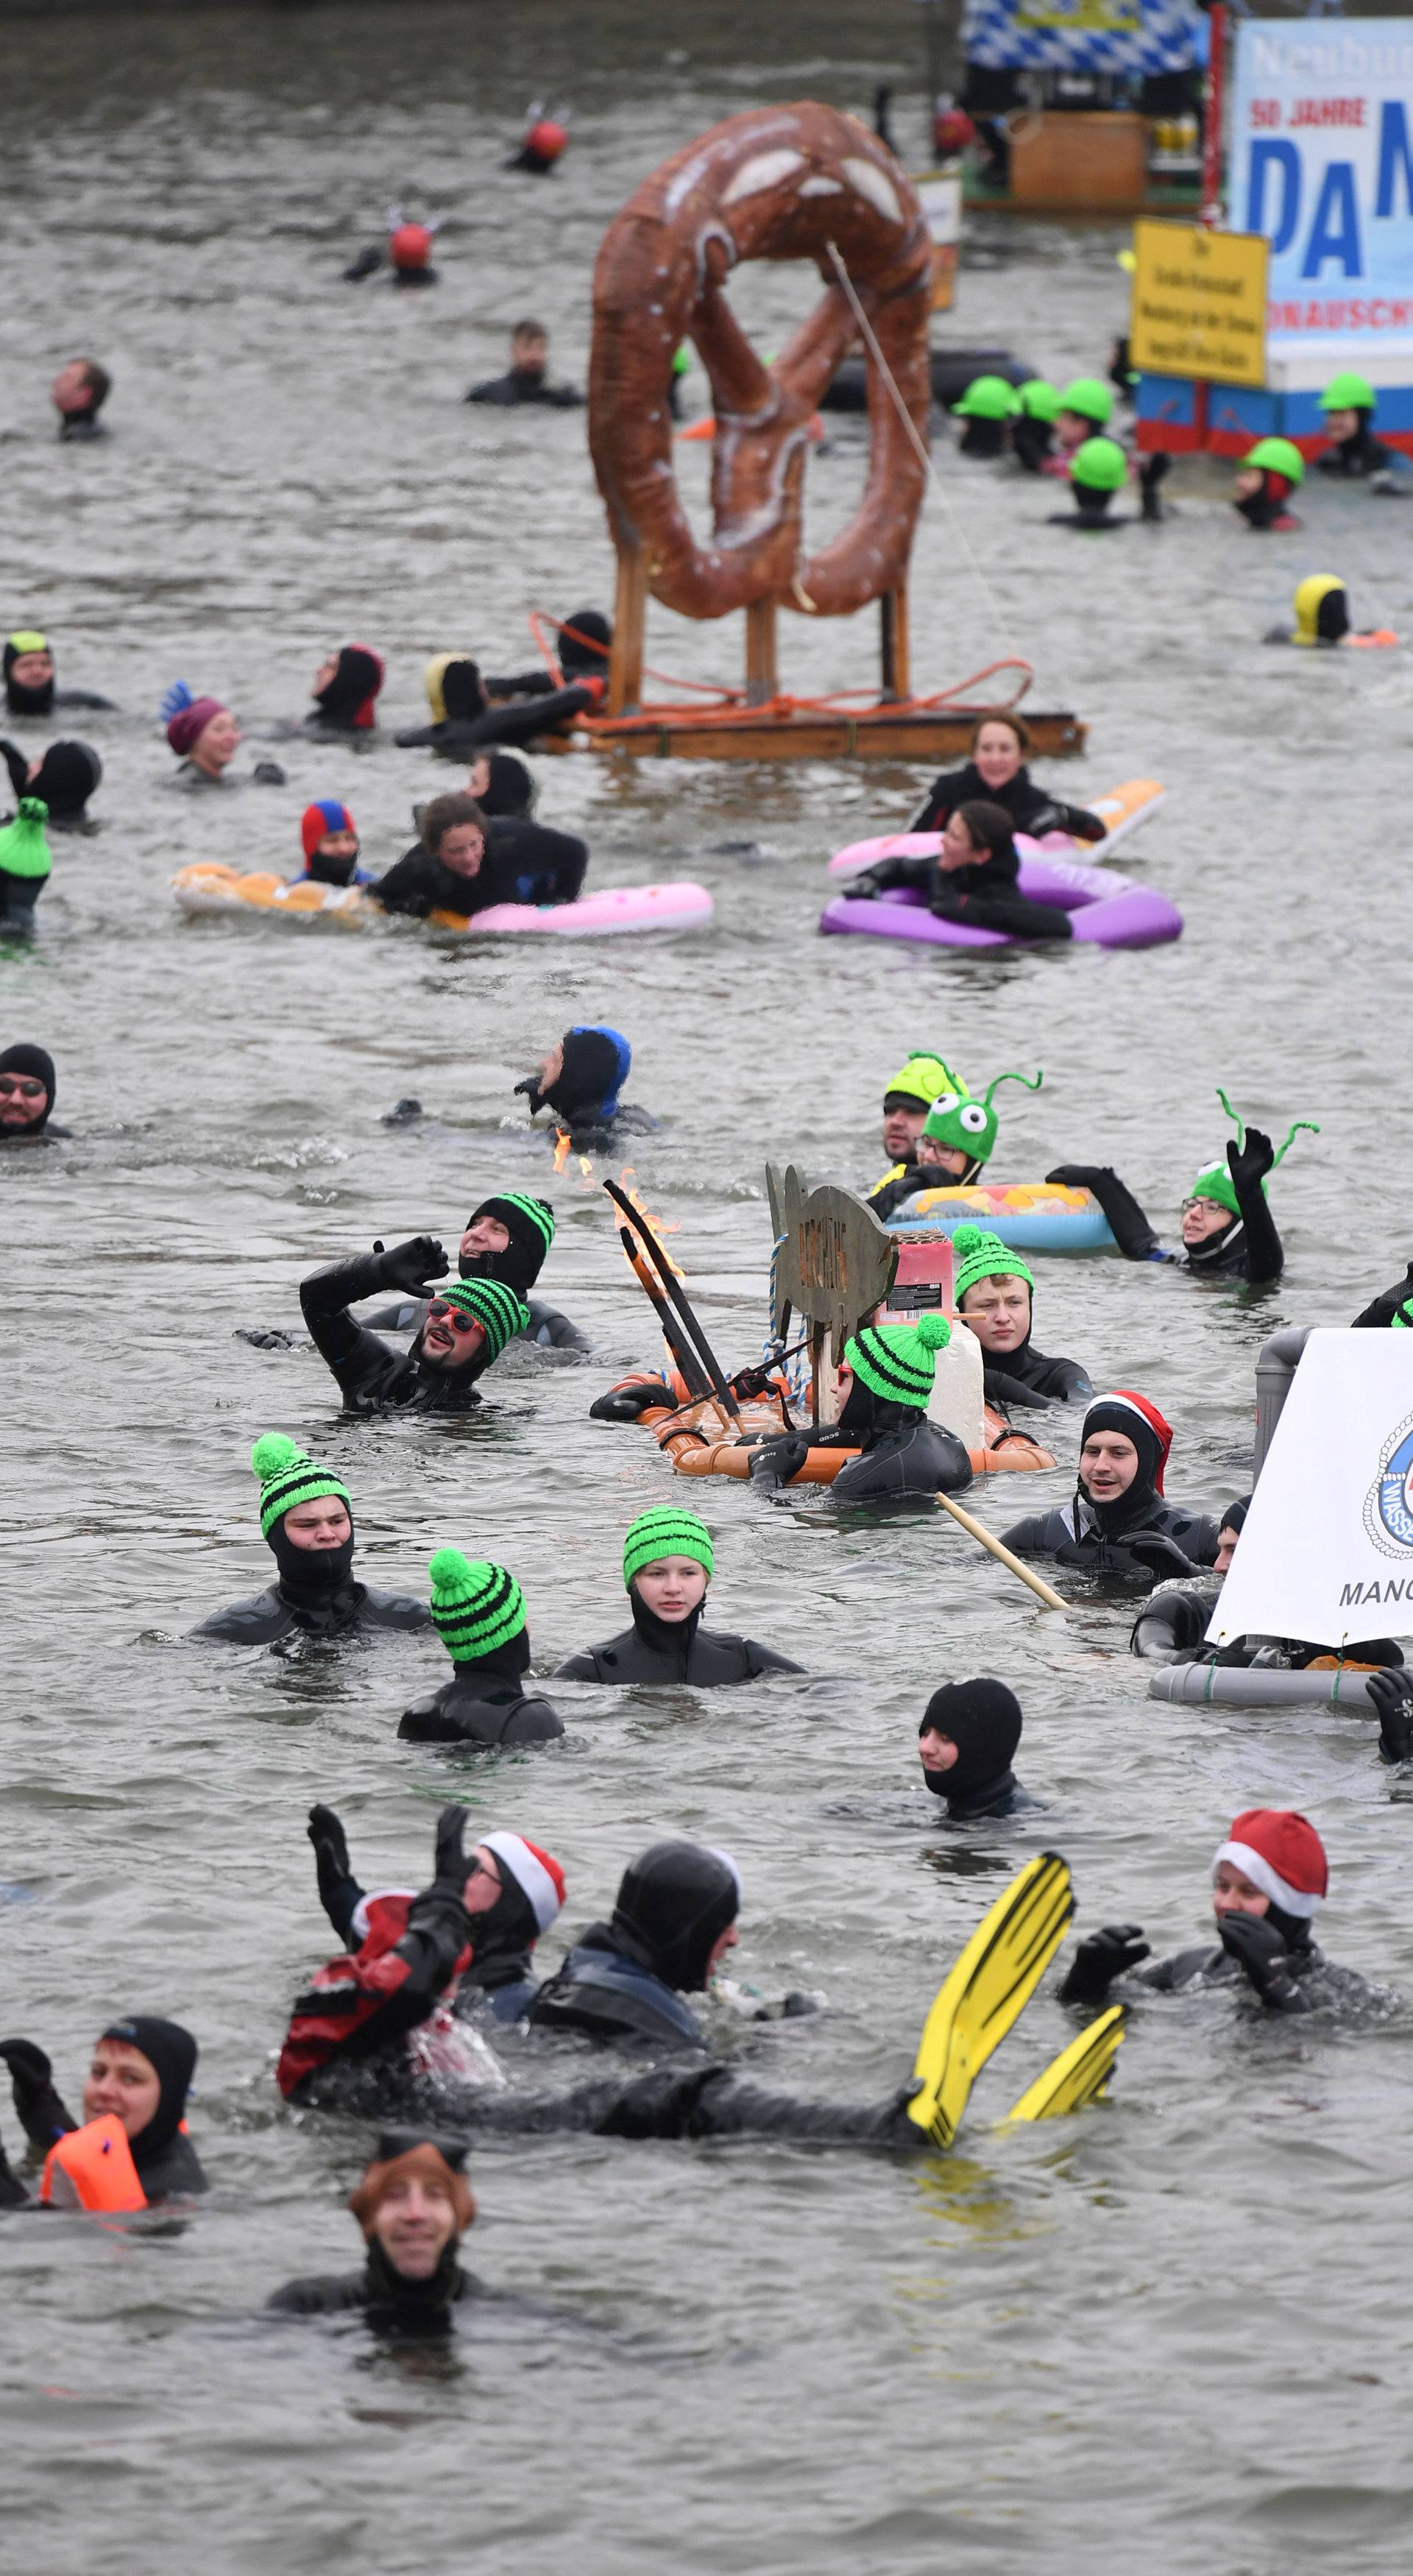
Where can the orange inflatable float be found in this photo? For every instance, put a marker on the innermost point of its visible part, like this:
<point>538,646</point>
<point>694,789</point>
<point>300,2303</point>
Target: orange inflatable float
<point>92,2168</point>
<point>702,1440</point>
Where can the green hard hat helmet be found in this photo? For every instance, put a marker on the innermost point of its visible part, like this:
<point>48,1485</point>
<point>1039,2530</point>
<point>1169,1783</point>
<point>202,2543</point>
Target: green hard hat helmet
<point>1277,456</point>
<point>1348,392</point>
<point>1100,465</point>
<point>987,398</point>
<point>1038,401</point>
<point>1092,399</point>
<point>969,1126</point>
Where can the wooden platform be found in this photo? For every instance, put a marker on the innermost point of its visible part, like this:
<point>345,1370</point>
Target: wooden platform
<point>879,733</point>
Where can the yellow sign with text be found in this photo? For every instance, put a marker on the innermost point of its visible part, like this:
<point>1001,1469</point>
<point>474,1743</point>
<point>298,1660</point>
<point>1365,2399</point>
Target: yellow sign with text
<point>1199,303</point>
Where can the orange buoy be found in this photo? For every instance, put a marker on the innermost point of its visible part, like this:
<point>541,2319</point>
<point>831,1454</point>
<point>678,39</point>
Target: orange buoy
<point>92,2168</point>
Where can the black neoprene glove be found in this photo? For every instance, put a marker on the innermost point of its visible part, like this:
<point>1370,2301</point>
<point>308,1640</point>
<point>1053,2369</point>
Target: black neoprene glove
<point>270,1337</point>
<point>1392,1696</point>
<point>1152,472</point>
<point>1250,1161</point>
<point>1258,1947</point>
<point>1107,1954</point>
<point>1162,1554</point>
<point>865,883</point>
<point>42,2114</point>
<point>530,1090</point>
<point>1080,1176</point>
<point>443,1904</point>
<point>412,1266</point>
<point>626,1403</point>
<point>777,1461</point>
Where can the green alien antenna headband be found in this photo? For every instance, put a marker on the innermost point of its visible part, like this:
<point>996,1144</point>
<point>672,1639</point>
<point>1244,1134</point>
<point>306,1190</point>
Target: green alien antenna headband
<point>1215,1182</point>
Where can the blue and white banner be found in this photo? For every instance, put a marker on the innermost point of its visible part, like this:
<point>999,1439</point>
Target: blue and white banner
<point>1321,162</point>
<point>1082,35</point>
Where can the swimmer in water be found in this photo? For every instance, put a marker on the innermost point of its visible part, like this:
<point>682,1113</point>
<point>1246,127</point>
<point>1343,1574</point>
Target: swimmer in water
<point>994,1289</point>
<point>1033,427</point>
<point>1322,619</point>
<point>507,1238</point>
<point>206,737</point>
<point>581,1080</point>
<point>1227,1225</point>
<point>1392,1309</point>
<point>345,693</point>
<point>973,878</point>
<point>478,1611</point>
<point>957,1141</point>
<point>78,394</point>
<point>1273,470</point>
<point>466,1329</point>
<point>584,643</point>
<point>465,864</point>
<point>30,688</point>
<point>668,1562</point>
<point>885,1385</point>
<point>306,1521</point>
<point>996,774</point>
<point>906,1102</point>
<point>500,1982</point>
<point>408,255</point>
<point>527,379</point>
<point>1348,405</point>
<point>967,1742</point>
<point>1171,1627</point>
<point>140,2075</point>
<point>27,1088</point>
<point>414,2205</point>
<point>988,407</point>
<point>1084,410</point>
<point>330,840</point>
<point>501,785</point>
<point>26,863</point>
<point>1269,1880</point>
<point>63,780</point>
<point>1119,1523</point>
<point>467,717</point>
<point>1099,470</point>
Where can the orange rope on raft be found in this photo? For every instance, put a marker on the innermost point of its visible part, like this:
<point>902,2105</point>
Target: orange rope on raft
<point>734,710</point>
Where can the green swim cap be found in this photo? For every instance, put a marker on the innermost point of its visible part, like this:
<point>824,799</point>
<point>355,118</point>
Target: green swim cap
<point>1091,399</point>
<point>665,1531</point>
<point>496,1308</point>
<point>288,1478</point>
<point>24,851</point>
<point>1349,392</point>
<point>979,1255</point>
<point>899,1361</point>
<point>987,398</point>
<point>1038,400</point>
<point>476,1607</point>
<point>1100,465</point>
<point>1277,456</point>
<point>970,1125</point>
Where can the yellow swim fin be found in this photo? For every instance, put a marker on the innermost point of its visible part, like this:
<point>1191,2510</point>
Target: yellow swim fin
<point>989,1987</point>
<point>1079,2074</point>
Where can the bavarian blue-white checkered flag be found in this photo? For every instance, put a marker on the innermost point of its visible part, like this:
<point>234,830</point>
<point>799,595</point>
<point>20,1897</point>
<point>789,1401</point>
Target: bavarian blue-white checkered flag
<point>1081,35</point>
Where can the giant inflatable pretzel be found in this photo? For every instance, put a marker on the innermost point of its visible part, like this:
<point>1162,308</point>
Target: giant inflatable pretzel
<point>776,183</point>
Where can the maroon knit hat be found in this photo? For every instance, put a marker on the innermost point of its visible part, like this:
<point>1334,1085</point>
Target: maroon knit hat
<point>190,723</point>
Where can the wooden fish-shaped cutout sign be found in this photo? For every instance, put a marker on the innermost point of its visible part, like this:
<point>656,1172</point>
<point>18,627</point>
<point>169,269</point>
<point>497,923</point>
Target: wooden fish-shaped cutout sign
<point>834,1262</point>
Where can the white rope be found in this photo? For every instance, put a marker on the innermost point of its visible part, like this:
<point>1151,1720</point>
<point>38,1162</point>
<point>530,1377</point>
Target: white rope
<point>905,416</point>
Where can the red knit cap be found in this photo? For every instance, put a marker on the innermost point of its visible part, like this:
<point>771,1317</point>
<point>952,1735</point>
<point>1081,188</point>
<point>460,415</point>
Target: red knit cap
<point>410,246</point>
<point>1107,1413</point>
<point>1281,1853</point>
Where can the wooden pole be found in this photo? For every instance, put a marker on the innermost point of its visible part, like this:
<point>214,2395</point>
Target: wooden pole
<point>761,683</point>
<point>1003,1556</point>
<point>625,666</point>
<point>897,660</point>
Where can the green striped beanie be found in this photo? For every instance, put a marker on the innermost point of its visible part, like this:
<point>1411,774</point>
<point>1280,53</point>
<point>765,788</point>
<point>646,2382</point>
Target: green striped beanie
<point>24,851</point>
<point>665,1531</point>
<point>287,1478</point>
<point>475,1607</point>
<point>897,1361</point>
<point>496,1308</point>
<point>979,1255</point>
<point>531,1219</point>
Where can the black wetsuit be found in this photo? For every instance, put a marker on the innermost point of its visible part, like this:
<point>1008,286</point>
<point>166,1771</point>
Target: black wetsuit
<point>166,2162</point>
<point>1025,1377</point>
<point>390,2302</point>
<point>1247,1248</point>
<point>679,1650</point>
<point>1359,456</point>
<point>1394,1303</point>
<point>64,781</point>
<point>1172,1628</point>
<point>1286,1971</point>
<point>521,721</point>
<point>372,1376</point>
<point>280,1612</point>
<point>982,1719</point>
<point>901,1453</point>
<point>525,385</point>
<point>525,862</point>
<point>20,701</point>
<point>484,1703</point>
<point>1097,1538</point>
<point>985,897</point>
<point>1032,809</point>
<point>888,1196</point>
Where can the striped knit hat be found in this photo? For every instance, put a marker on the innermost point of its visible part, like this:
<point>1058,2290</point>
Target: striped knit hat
<point>475,1608</point>
<point>287,1477</point>
<point>665,1531</point>
<point>897,1361</point>
<point>979,1255</point>
<point>496,1308</point>
<point>529,1221</point>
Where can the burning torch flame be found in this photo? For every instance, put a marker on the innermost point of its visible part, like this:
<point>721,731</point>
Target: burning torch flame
<point>561,1148</point>
<point>661,1225</point>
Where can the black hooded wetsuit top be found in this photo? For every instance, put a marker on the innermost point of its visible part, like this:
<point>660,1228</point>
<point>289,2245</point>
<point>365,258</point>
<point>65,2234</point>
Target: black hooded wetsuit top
<point>1092,1537</point>
<point>38,1063</point>
<point>525,385</point>
<point>392,2304</point>
<point>657,1650</point>
<point>525,862</point>
<point>1032,809</point>
<point>372,1377</point>
<point>984,897</point>
<point>1025,1377</point>
<point>473,721</point>
<point>1249,1247</point>
<point>983,1720</point>
<point>1358,456</point>
<point>901,1453</point>
<point>316,1595</point>
<point>484,1703</point>
<point>166,2162</point>
<point>65,779</point>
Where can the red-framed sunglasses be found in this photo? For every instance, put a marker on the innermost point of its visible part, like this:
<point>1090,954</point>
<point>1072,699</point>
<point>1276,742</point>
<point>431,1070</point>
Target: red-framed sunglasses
<point>441,1311</point>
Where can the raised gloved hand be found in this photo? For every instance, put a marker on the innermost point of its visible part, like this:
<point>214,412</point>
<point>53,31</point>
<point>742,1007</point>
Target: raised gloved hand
<point>326,1833</point>
<point>1258,1947</point>
<point>530,1090</point>
<point>42,2115</point>
<point>1392,1695</point>
<point>1161,1554</point>
<point>441,1908</point>
<point>1250,1161</point>
<point>1106,1954</point>
<point>412,1266</point>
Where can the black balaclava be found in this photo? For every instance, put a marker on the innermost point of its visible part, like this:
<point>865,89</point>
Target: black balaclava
<point>1114,1518</point>
<point>871,1416</point>
<point>38,1063</point>
<point>1234,1517</point>
<point>1331,625</point>
<point>665,1636</point>
<point>588,659</point>
<point>462,694</point>
<point>320,869</point>
<point>20,700</point>
<point>502,1937</point>
<point>311,1576</point>
<point>510,790</point>
<point>1262,509</point>
<point>66,778</point>
<point>1092,508</point>
<point>1294,1929</point>
<point>171,2052</point>
<point>504,1663</point>
<point>413,2307</point>
<point>590,1076</point>
<point>673,1905</point>
<point>357,678</point>
<point>983,1720</point>
<point>1032,441</point>
<point>523,1259</point>
<point>1361,448</point>
<point>983,438</point>
<point>1215,1250</point>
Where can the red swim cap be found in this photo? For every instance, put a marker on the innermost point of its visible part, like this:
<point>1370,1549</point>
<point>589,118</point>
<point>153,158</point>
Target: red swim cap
<point>410,246</point>
<point>320,819</point>
<point>546,138</point>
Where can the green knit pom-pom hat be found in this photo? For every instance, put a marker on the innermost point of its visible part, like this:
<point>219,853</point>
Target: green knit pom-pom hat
<point>476,1607</point>
<point>1215,1180</point>
<point>899,1361</point>
<point>665,1531</point>
<point>288,1478</point>
<point>24,851</point>
<point>497,1309</point>
<point>979,1255</point>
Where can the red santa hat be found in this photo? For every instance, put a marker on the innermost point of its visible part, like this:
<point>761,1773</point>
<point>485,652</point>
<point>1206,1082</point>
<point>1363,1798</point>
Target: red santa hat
<point>1281,1853</point>
<point>536,1873</point>
<point>1139,1421</point>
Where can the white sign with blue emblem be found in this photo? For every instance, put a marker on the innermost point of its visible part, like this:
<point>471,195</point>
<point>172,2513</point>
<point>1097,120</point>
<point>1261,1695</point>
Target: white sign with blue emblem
<point>1327,1551</point>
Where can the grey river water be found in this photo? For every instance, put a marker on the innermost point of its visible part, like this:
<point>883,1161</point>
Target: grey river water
<point>1173,2334</point>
